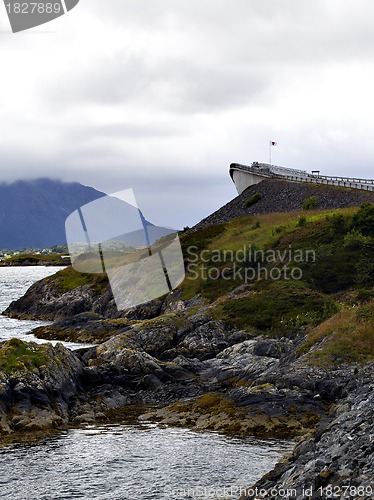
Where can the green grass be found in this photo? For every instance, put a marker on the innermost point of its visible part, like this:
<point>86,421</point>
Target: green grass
<point>34,259</point>
<point>337,267</point>
<point>347,336</point>
<point>255,198</point>
<point>16,355</point>
<point>68,279</point>
<point>278,308</point>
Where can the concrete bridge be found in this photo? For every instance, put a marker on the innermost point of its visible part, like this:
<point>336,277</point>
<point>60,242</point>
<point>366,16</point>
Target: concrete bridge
<point>244,176</point>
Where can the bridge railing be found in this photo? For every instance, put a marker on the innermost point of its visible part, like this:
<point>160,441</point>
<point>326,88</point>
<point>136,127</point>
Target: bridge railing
<point>329,181</point>
<point>291,171</point>
<point>267,170</point>
<point>344,179</point>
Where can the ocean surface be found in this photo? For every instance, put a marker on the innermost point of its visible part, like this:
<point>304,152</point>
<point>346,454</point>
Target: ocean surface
<point>14,281</point>
<point>131,461</point>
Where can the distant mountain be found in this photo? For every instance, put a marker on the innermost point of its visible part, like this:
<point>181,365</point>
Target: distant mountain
<point>33,213</point>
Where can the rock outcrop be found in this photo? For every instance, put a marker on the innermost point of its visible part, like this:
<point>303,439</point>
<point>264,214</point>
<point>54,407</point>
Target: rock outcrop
<point>38,386</point>
<point>47,300</point>
<point>337,460</point>
<point>203,374</point>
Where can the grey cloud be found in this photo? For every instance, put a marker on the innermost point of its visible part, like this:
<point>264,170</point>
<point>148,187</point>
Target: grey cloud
<point>286,29</point>
<point>122,131</point>
<point>205,86</point>
<point>174,85</point>
<point>233,56</point>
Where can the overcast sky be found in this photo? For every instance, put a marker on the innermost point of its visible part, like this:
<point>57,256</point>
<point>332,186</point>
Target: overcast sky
<point>162,95</point>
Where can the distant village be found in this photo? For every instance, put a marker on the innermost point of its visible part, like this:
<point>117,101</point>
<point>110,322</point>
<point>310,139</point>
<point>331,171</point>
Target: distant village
<point>7,253</point>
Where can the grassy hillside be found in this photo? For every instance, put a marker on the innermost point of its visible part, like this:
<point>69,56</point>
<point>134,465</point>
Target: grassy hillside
<point>316,275</point>
<point>308,273</point>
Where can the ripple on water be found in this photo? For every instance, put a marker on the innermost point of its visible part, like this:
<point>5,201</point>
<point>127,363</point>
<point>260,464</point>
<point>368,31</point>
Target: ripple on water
<point>135,462</point>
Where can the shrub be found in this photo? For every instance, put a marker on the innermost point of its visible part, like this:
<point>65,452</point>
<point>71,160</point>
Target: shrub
<point>355,239</point>
<point>310,203</point>
<point>279,306</point>
<point>363,220</point>
<point>302,221</point>
<point>338,224</point>
<point>253,199</point>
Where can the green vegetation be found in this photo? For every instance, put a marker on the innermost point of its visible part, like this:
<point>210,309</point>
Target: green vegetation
<point>202,238</point>
<point>67,279</point>
<point>211,403</point>
<point>302,221</point>
<point>253,199</point>
<point>363,220</point>
<point>242,270</point>
<point>345,337</point>
<point>338,224</point>
<point>16,355</point>
<point>342,267</point>
<point>35,259</point>
<point>278,307</point>
<point>339,265</point>
<point>310,203</point>
<point>56,249</point>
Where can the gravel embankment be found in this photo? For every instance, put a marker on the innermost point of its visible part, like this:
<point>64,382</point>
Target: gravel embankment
<point>284,196</point>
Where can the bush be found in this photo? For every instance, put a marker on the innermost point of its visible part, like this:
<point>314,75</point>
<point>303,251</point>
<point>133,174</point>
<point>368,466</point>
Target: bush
<point>253,199</point>
<point>354,240</point>
<point>363,220</point>
<point>338,224</point>
<point>310,203</point>
<point>302,221</point>
<point>280,306</point>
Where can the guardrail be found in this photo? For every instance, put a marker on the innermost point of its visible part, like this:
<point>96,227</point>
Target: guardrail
<point>267,170</point>
<point>328,181</point>
<point>344,179</point>
<point>292,171</point>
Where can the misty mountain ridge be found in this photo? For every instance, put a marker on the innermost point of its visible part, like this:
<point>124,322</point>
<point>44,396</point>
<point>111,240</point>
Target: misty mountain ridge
<point>33,212</point>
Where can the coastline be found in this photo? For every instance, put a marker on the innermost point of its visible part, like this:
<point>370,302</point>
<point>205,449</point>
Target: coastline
<point>270,358</point>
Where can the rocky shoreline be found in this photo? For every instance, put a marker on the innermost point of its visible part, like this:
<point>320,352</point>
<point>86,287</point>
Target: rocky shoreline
<point>290,359</point>
<point>200,373</point>
<point>336,460</point>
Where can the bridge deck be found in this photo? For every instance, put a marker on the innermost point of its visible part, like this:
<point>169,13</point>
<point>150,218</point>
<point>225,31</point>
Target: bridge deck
<point>265,170</point>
